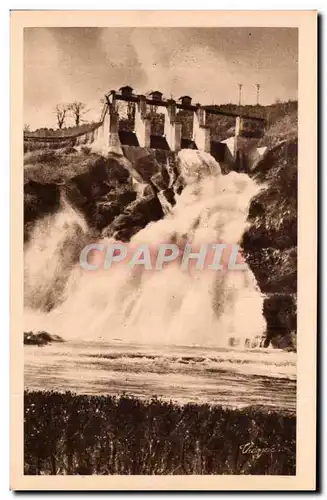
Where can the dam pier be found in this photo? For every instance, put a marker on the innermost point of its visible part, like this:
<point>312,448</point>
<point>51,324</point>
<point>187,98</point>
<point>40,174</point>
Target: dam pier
<point>154,122</point>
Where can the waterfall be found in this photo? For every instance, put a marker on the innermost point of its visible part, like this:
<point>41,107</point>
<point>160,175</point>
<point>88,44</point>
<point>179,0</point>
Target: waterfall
<point>171,306</point>
<point>51,254</point>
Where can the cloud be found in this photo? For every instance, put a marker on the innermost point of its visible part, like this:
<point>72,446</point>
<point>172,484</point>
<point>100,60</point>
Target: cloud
<point>65,64</point>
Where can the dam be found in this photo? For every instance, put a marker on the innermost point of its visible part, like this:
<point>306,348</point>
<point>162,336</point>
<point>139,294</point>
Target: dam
<point>154,122</point>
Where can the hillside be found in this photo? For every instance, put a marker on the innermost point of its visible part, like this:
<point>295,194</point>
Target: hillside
<point>280,117</point>
<point>285,127</point>
<point>61,132</point>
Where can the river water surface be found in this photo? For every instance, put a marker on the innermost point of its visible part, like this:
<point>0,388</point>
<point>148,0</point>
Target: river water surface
<point>233,378</point>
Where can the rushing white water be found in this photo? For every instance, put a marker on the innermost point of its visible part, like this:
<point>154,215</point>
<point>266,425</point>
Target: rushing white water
<point>184,374</point>
<point>50,256</point>
<point>171,306</point>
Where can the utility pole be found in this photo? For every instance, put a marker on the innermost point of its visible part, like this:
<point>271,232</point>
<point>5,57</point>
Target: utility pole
<point>258,93</point>
<point>240,85</point>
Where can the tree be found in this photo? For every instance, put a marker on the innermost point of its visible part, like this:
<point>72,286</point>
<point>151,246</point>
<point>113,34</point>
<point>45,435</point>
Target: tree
<point>61,111</point>
<point>78,110</point>
<point>26,127</point>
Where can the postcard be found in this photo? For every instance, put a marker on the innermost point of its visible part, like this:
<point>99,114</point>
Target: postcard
<point>163,246</point>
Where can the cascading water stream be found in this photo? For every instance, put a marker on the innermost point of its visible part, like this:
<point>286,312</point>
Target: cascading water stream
<point>51,254</point>
<point>170,306</point>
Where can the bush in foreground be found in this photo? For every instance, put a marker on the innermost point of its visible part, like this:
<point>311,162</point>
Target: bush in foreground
<point>78,434</point>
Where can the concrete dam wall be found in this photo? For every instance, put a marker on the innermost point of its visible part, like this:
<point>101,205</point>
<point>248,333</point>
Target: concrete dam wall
<point>237,151</point>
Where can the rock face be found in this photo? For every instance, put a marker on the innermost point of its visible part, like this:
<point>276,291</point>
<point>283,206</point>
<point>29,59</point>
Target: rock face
<point>101,192</point>
<point>117,195</point>
<point>39,200</point>
<point>134,217</point>
<point>40,338</point>
<point>270,243</point>
<point>280,313</point>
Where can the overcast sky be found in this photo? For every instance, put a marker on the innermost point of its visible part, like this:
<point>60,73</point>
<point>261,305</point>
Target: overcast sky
<point>66,64</point>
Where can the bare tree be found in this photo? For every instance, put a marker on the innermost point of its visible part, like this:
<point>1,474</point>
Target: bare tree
<point>78,110</point>
<point>61,111</point>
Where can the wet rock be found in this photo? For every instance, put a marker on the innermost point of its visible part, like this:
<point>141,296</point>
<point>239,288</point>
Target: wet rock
<point>105,211</point>
<point>275,270</point>
<point>286,342</point>
<point>40,338</point>
<point>39,200</point>
<point>103,192</point>
<point>273,212</point>
<point>160,181</point>
<point>255,342</point>
<point>280,312</point>
<point>270,243</point>
<point>134,217</point>
<point>170,196</point>
<point>233,342</point>
<point>104,175</point>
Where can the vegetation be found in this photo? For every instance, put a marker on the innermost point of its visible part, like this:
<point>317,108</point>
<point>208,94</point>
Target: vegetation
<point>61,133</point>
<point>73,434</point>
<point>61,111</point>
<point>78,109</point>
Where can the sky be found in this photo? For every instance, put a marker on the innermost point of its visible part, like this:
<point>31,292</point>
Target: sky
<point>62,65</point>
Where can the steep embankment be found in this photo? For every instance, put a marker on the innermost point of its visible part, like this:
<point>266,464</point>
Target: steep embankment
<point>284,128</point>
<point>117,195</point>
<point>270,243</point>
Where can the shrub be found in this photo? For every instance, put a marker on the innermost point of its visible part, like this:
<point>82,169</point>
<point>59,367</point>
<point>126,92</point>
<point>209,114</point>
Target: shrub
<point>79,434</point>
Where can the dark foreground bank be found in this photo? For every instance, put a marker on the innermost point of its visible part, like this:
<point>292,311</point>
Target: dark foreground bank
<point>71,434</point>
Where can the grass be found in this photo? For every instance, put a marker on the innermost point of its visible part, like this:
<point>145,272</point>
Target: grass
<point>58,166</point>
<point>76,434</point>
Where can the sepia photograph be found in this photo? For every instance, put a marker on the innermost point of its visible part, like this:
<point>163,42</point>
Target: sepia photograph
<point>160,229</point>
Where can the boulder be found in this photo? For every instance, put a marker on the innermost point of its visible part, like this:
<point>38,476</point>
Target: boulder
<point>134,217</point>
<point>40,338</point>
<point>280,311</point>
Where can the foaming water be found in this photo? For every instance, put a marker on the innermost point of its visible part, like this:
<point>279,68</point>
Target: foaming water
<point>171,306</point>
<point>50,255</point>
<point>183,374</point>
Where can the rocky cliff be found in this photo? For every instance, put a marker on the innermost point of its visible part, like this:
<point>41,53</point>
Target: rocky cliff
<point>270,243</point>
<point>116,195</point>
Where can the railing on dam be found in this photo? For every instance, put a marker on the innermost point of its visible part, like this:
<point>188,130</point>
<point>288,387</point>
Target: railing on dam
<point>136,98</point>
<point>60,134</point>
